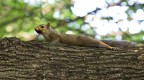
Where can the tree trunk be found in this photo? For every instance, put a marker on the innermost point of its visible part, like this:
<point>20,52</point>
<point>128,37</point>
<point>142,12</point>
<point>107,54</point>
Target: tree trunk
<point>33,60</point>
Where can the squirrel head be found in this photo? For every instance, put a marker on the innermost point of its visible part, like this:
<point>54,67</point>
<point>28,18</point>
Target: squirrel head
<point>42,28</point>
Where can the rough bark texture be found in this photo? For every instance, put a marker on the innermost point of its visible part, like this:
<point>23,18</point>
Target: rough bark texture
<point>33,60</point>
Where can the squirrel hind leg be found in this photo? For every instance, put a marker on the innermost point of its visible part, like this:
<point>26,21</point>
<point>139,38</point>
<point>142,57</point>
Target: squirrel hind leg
<point>107,46</point>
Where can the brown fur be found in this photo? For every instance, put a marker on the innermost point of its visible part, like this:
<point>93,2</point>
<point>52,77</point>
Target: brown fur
<point>52,36</point>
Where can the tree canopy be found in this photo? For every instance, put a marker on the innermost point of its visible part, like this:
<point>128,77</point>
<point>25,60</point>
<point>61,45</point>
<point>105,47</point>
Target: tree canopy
<point>92,17</point>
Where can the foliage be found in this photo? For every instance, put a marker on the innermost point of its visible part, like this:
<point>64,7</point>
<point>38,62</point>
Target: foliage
<point>19,17</point>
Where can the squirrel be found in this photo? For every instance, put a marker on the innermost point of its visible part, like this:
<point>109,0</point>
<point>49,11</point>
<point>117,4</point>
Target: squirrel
<point>53,37</point>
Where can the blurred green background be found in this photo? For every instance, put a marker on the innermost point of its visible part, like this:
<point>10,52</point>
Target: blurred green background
<point>102,19</point>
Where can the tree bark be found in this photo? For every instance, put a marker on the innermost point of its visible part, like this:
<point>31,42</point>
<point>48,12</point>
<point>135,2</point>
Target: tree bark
<point>33,60</point>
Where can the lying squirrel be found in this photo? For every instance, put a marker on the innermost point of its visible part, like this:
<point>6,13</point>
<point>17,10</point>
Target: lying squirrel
<point>52,36</point>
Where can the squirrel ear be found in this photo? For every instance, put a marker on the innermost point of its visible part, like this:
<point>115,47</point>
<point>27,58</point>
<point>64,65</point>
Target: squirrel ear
<point>48,25</point>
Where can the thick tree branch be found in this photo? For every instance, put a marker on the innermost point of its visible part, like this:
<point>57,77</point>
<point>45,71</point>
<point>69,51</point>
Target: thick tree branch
<point>38,61</point>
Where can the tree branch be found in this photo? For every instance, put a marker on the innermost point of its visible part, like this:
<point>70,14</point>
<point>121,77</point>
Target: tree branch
<point>39,60</point>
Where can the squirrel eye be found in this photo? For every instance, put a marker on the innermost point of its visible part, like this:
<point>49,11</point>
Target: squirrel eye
<point>42,26</point>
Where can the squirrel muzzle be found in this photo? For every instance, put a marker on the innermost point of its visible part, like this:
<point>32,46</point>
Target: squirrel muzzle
<point>38,30</point>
